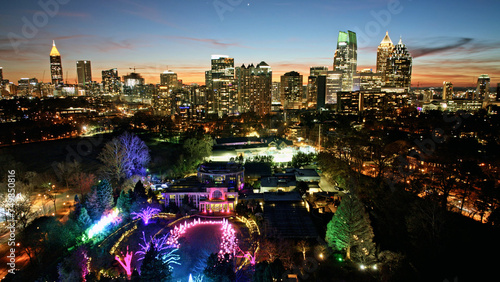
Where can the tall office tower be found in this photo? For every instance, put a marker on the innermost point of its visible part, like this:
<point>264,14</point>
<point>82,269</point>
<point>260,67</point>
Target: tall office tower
<point>83,72</point>
<point>384,50</point>
<point>169,78</point>
<point>254,88</point>
<point>333,85</point>
<point>316,81</point>
<point>399,65</point>
<point>291,90</point>
<point>447,90</point>
<point>56,71</point>
<point>110,81</point>
<point>220,79</point>
<point>275,92</point>
<point>483,88</point>
<point>346,58</point>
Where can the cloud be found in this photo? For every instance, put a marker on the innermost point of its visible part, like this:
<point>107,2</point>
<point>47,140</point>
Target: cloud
<point>438,45</point>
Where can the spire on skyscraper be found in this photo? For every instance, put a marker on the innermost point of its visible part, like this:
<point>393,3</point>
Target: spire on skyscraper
<point>54,51</point>
<point>387,39</point>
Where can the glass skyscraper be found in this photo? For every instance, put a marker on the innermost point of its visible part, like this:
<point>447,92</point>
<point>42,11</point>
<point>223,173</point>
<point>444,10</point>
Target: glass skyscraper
<point>84,72</point>
<point>399,68</point>
<point>346,58</point>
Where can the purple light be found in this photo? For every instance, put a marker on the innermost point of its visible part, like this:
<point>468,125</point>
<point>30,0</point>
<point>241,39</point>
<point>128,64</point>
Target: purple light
<point>160,244</point>
<point>146,214</point>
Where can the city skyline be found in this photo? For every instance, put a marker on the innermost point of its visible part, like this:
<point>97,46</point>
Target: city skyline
<point>157,37</point>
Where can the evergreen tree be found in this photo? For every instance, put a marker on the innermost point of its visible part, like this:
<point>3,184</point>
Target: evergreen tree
<point>350,230</point>
<point>124,202</point>
<point>139,190</point>
<point>100,199</point>
<point>153,267</point>
<point>219,269</point>
<point>84,220</point>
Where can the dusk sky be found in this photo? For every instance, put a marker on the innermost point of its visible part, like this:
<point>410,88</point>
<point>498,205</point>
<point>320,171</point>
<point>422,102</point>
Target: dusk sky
<point>450,40</point>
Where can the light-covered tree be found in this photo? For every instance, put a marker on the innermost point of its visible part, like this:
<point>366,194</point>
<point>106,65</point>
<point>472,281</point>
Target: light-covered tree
<point>350,230</point>
<point>100,199</point>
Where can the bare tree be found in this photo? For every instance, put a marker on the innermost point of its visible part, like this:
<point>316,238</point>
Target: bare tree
<point>303,247</point>
<point>123,157</point>
<point>83,181</point>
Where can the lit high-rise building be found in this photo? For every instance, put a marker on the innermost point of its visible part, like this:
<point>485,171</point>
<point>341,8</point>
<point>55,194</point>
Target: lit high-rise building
<point>169,78</point>
<point>254,88</point>
<point>384,50</point>
<point>399,68</point>
<point>447,90</point>
<point>84,72</point>
<point>56,71</point>
<point>483,88</point>
<point>110,81</point>
<point>333,86</point>
<point>222,91</point>
<point>316,87</point>
<point>291,90</point>
<point>346,58</point>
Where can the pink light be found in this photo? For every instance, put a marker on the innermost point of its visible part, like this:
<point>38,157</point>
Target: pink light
<point>229,242</point>
<point>126,262</point>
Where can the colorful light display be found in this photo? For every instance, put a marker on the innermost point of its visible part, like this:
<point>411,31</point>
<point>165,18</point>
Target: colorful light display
<point>160,244</point>
<point>103,223</point>
<point>146,214</point>
<point>227,246</point>
<point>126,262</point>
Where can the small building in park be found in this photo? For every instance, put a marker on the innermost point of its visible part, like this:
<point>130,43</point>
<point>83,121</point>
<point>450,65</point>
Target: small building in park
<point>213,190</point>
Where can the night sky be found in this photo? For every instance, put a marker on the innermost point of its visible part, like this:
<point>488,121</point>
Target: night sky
<point>450,40</point>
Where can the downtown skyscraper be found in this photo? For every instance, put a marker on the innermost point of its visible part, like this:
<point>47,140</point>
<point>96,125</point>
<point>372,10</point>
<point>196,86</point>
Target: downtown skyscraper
<point>254,88</point>
<point>56,71</point>
<point>384,51</point>
<point>220,82</point>
<point>291,91</point>
<point>346,58</point>
<point>83,72</point>
<point>399,68</point>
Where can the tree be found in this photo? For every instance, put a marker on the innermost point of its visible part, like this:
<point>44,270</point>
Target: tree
<point>74,267</point>
<point>153,267</point>
<point>83,220</point>
<point>301,159</point>
<point>219,269</point>
<point>137,153</point>
<point>83,181</point>
<point>139,190</point>
<point>100,199</point>
<point>124,202</point>
<point>42,239</point>
<point>123,157</point>
<point>350,231</point>
<point>303,247</point>
<point>19,208</point>
<point>197,150</point>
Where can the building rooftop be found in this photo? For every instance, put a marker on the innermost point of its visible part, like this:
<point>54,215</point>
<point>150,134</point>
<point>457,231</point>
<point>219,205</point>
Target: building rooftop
<point>220,167</point>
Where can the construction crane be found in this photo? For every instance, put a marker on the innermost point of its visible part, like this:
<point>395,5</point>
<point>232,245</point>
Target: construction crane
<point>134,68</point>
